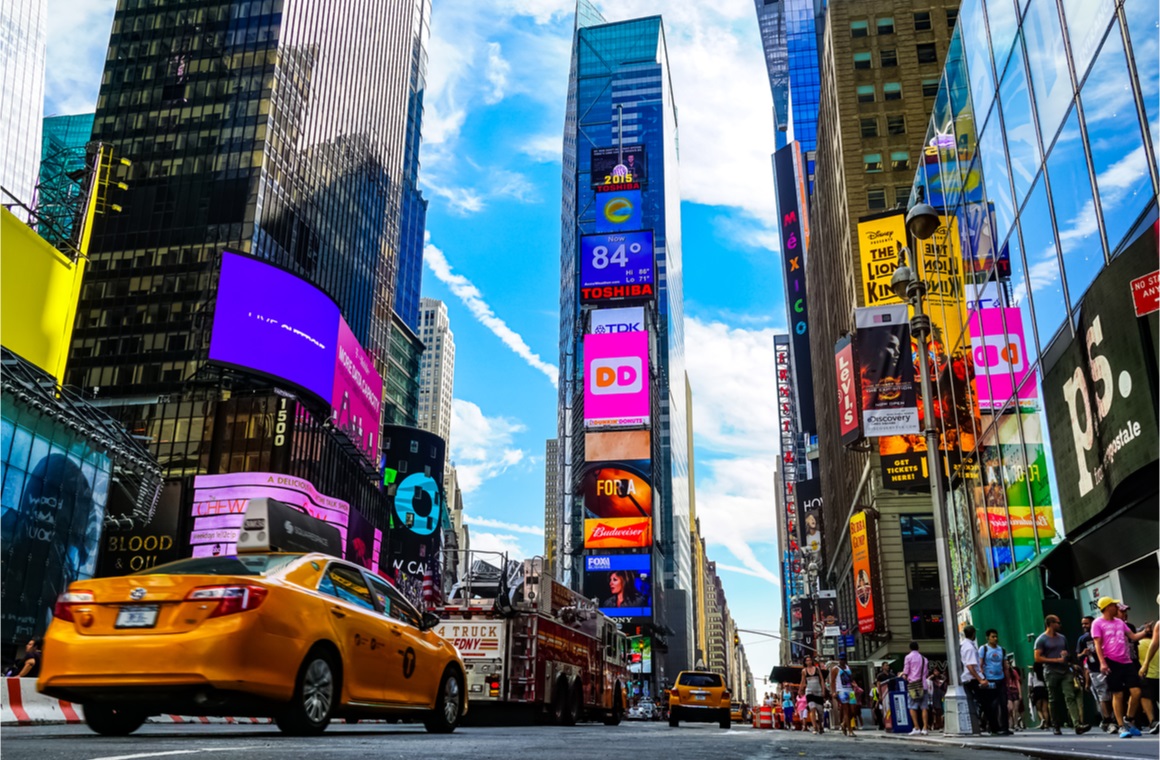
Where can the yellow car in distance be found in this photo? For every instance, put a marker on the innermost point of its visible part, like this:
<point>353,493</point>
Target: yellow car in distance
<point>737,713</point>
<point>700,697</point>
<point>301,638</point>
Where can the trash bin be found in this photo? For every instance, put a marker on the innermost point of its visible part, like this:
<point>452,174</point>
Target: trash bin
<point>899,714</point>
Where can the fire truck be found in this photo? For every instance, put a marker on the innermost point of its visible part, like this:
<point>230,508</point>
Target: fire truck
<point>532,645</point>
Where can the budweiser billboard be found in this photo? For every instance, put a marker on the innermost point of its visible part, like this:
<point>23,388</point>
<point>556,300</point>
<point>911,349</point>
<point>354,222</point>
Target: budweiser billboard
<point>617,533</point>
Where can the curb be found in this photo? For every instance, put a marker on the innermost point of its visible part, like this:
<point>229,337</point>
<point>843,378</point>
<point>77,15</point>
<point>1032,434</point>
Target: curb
<point>1023,749</point>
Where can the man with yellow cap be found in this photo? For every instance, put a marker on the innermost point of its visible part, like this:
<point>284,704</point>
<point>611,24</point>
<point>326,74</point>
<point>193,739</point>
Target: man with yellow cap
<point>1112,635</point>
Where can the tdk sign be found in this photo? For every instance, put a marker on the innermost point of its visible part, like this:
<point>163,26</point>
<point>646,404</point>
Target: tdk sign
<point>616,375</point>
<point>613,321</point>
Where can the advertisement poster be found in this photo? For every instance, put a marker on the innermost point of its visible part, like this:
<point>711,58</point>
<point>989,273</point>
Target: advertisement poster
<point>617,446</point>
<point>849,392</point>
<point>220,501</point>
<point>617,491</point>
<point>619,211</point>
<point>1000,360</point>
<point>809,500</point>
<point>360,540</point>
<point>886,368</point>
<point>148,545</point>
<point>863,573</point>
<point>618,533</point>
<point>1100,396</point>
<point>640,657</point>
<point>793,211</point>
<point>614,168</point>
<point>616,258</point>
<point>357,396</point>
<point>621,584</point>
<point>413,467</point>
<point>51,517</point>
<point>624,320</point>
<point>826,618</point>
<point>616,380</point>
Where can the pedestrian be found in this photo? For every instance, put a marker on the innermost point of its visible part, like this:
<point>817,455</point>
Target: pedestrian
<point>842,687</point>
<point>802,712</point>
<point>1112,637</point>
<point>916,671</point>
<point>1014,695</point>
<point>28,666</point>
<point>993,659</point>
<point>1095,681</point>
<point>813,686</point>
<point>1150,675</point>
<point>1052,652</point>
<point>938,683</point>
<point>1038,688</point>
<point>972,677</point>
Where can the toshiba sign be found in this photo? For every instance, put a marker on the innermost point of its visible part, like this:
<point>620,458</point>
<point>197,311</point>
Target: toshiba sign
<point>618,533</point>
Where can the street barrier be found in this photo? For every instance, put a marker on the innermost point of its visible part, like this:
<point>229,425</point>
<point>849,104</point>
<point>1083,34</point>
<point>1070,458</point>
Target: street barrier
<point>766,717</point>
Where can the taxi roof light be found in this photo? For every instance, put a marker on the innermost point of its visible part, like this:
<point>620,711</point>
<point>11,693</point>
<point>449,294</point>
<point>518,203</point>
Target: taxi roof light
<point>230,599</point>
<point>63,609</point>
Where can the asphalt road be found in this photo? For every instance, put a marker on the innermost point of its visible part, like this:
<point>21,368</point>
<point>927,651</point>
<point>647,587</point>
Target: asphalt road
<point>584,742</point>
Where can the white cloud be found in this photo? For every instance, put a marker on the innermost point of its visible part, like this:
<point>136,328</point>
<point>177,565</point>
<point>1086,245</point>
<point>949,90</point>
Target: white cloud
<point>463,200</point>
<point>765,576</point>
<point>484,522</point>
<point>497,542</point>
<point>496,73</point>
<point>735,504</point>
<point>473,300</point>
<point>78,40</point>
<point>482,447</point>
<point>546,148</point>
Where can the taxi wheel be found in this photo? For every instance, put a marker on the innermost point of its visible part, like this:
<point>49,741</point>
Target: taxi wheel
<point>448,704</point>
<point>109,720</point>
<point>315,695</point>
<point>673,722</point>
<point>727,721</point>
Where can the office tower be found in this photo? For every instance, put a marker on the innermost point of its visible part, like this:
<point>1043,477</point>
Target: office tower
<point>413,221</point>
<point>551,505</point>
<point>58,195</point>
<point>280,136</point>
<point>436,369</point>
<point>22,61</point>
<point>622,390</point>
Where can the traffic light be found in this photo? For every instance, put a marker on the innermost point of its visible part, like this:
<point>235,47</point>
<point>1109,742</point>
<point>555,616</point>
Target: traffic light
<point>736,639</point>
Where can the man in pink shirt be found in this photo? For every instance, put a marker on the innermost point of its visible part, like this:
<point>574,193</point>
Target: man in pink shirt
<point>1111,635</point>
<point>918,696</point>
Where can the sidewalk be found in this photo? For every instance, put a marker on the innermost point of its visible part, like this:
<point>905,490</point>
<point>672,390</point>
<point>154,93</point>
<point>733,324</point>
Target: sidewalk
<point>1091,746</point>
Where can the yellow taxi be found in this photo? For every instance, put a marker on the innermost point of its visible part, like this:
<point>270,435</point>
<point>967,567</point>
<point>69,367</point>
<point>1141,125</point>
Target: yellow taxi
<point>737,712</point>
<point>299,637</point>
<point>699,697</point>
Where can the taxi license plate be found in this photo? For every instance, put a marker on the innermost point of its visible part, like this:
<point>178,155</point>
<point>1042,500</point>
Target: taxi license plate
<point>137,616</point>
<point>699,697</point>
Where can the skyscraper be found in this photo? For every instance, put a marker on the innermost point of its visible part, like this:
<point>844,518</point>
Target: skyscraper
<point>551,504</point>
<point>436,369</point>
<point>277,133</point>
<point>62,153</point>
<point>621,215</point>
<point>23,29</point>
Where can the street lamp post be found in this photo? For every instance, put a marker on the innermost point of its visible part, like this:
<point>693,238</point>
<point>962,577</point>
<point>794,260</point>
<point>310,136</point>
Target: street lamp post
<point>922,221</point>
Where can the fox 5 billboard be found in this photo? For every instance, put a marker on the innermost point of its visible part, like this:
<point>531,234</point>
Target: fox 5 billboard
<point>616,380</point>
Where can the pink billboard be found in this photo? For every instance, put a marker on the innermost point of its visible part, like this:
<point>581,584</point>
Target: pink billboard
<point>358,393</point>
<point>1001,361</point>
<point>616,380</point>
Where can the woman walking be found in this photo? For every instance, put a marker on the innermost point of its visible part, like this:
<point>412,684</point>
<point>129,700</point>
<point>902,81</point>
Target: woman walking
<point>813,686</point>
<point>842,686</point>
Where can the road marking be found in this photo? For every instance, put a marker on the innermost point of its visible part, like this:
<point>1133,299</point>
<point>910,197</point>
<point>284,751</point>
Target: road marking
<point>170,752</point>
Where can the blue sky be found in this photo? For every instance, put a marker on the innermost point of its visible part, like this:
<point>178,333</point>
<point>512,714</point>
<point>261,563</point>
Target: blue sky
<point>497,80</point>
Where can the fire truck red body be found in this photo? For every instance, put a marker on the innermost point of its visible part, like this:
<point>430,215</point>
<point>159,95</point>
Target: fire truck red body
<point>531,644</point>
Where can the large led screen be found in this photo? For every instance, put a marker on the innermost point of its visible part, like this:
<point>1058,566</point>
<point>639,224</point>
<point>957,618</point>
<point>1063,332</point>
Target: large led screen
<point>357,396</point>
<point>616,380</point>
<point>629,319</point>
<point>617,445</point>
<point>621,584</point>
<point>617,491</point>
<point>618,533</point>
<point>618,211</point>
<point>616,258</point>
<point>618,167</point>
<point>269,321</point>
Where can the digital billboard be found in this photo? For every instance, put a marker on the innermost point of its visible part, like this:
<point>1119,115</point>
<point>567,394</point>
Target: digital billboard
<point>357,395</point>
<point>617,446</point>
<point>886,368</point>
<point>622,490</point>
<point>618,211</point>
<point>616,258</point>
<point>627,319</point>
<point>413,467</point>
<point>640,655</point>
<point>616,380</point>
<point>1004,356</point>
<point>618,533</point>
<point>615,168</point>
<point>621,584</point>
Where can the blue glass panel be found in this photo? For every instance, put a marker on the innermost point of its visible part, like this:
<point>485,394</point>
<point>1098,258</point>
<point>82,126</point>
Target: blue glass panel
<point>1022,146</point>
<point>1047,61</point>
<point>978,52</point>
<point>996,178</point>
<point>1075,217</point>
<point>1143,26</point>
<point>1003,24</point>
<point>1087,21</point>
<point>1116,139</point>
<point>1042,264</point>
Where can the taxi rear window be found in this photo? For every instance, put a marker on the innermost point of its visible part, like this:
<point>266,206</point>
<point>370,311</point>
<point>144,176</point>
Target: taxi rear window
<point>250,564</point>
<point>702,680</point>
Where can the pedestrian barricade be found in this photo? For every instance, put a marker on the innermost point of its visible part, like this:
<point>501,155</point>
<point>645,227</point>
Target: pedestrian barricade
<point>766,717</point>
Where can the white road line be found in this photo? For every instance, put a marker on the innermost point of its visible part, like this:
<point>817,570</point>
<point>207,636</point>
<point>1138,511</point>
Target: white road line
<point>170,752</point>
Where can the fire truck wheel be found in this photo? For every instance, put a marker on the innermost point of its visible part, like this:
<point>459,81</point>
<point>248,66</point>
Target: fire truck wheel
<point>448,704</point>
<point>575,704</point>
<point>614,717</point>
<point>560,707</point>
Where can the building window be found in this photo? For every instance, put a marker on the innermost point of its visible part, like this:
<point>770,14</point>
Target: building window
<point>901,197</point>
<point>927,53</point>
<point>929,88</point>
<point>876,198</point>
<point>886,26</point>
<point>892,90</point>
<point>922,21</point>
<point>862,60</point>
<point>896,124</point>
<point>872,162</point>
<point>888,58</point>
<point>922,576</point>
<point>859,29</point>
<point>865,93</point>
<point>926,624</point>
<point>899,160</point>
<point>916,527</point>
<point>952,17</point>
<point>869,127</point>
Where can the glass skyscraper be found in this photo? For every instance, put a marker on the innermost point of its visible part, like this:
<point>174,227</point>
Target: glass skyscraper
<point>22,54</point>
<point>62,152</point>
<point>620,94</point>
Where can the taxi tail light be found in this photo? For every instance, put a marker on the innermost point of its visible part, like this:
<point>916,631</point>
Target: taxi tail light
<point>230,599</point>
<point>676,693</point>
<point>64,603</point>
<point>726,694</point>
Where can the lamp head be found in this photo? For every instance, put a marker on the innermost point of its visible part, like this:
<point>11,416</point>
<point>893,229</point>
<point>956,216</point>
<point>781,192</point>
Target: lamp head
<point>901,281</point>
<point>922,220</point>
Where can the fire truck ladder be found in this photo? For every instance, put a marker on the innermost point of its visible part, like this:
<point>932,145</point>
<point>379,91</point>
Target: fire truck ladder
<point>523,660</point>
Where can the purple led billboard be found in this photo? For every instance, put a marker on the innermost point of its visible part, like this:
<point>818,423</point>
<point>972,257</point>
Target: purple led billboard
<point>269,321</point>
<point>357,396</point>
